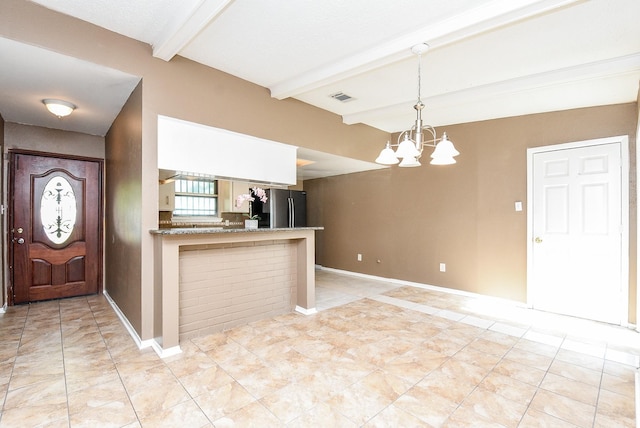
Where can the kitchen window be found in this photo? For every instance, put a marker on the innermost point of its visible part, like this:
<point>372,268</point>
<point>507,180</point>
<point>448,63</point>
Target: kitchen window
<point>196,198</point>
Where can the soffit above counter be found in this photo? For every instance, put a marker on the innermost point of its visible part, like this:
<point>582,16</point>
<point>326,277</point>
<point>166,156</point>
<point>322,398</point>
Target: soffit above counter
<point>223,154</point>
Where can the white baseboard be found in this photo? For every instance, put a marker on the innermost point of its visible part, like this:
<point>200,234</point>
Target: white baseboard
<point>425,286</point>
<point>164,353</point>
<point>123,319</point>
<point>450,291</point>
<point>304,311</point>
<point>141,344</point>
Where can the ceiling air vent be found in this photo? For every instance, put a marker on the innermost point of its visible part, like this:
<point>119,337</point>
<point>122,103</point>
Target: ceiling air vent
<point>342,97</point>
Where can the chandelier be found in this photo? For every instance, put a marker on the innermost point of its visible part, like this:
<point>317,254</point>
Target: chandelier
<point>412,142</point>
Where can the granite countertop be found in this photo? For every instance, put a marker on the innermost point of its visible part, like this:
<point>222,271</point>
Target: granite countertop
<point>205,230</point>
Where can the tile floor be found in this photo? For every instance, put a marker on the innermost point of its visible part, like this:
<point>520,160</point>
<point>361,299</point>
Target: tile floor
<point>376,355</point>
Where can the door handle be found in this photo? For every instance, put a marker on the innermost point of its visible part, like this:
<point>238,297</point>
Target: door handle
<point>20,240</point>
<point>538,240</point>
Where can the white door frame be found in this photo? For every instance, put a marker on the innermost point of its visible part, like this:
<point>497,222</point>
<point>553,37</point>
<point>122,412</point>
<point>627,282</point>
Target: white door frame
<point>623,141</point>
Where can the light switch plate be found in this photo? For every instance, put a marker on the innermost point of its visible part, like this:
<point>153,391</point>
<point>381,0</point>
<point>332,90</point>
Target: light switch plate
<point>518,206</point>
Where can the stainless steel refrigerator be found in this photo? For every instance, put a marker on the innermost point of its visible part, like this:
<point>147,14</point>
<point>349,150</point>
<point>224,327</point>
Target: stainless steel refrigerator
<point>284,208</point>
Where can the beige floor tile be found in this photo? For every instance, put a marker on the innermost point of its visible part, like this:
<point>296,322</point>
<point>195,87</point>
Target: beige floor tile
<point>528,358</point>
<point>223,401</point>
<point>564,408</point>
<point>536,419</point>
<point>477,358</point>
<point>205,380</point>
<point>154,390</point>
<point>605,421</point>
<point>466,417</point>
<point>415,364</point>
<point>263,382</point>
<point>614,405</point>
<point>111,393</point>
<point>582,360</point>
<point>619,385</point>
<point>322,415</point>
<point>432,406</point>
<point>571,371</point>
<point>112,414</point>
<point>34,373</point>
<point>494,408</point>
<point>508,387</point>
<point>364,399</point>
<point>243,364</point>
<point>487,346</point>
<point>521,372</point>
<point>624,371</point>
<point>570,388</point>
<point>290,402</point>
<point>36,415</point>
<point>253,415</point>
<point>186,414</point>
<point>381,352</point>
<point>537,348</point>
<point>444,344</point>
<point>472,373</point>
<point>83,378</point>
<point>393,416</point>
<point>373,359</point>
<point>48,392</point>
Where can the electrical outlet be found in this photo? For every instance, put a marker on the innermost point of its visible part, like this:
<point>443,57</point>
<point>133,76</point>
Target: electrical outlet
<point>443,267</point>
<point>359,257</point>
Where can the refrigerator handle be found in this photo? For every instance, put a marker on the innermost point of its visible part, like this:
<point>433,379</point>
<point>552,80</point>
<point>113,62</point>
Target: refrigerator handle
<point>292,213</point>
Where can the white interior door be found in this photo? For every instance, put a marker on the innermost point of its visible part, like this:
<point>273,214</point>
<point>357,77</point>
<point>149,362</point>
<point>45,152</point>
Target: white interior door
<point>577,224</point>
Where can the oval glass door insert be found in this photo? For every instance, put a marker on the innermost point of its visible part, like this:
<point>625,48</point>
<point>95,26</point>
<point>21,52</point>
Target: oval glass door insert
<point>58,209</point>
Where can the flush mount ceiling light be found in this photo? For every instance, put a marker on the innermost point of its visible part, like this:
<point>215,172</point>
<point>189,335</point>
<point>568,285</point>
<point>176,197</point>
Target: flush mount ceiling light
<point>58,107</point>
<point>412,142</point>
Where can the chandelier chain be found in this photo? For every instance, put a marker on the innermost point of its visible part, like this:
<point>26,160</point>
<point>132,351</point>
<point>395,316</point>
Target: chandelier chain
<point>419,78</point>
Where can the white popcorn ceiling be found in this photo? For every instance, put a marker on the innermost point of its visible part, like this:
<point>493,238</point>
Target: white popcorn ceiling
<point>488,58</point>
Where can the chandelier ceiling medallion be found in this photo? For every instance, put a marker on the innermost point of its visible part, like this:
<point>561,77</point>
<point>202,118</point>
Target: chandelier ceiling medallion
<point>412,142</point>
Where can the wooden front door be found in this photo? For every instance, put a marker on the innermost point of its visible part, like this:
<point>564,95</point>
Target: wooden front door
<point>55,226</point>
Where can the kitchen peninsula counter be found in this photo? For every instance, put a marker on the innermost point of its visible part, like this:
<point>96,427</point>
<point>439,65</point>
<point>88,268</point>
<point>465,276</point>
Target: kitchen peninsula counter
<point>208,230</point>
<point>194,266</point>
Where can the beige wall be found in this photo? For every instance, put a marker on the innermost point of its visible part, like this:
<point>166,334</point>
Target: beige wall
<point>48,140</point>
<point>412,219</point>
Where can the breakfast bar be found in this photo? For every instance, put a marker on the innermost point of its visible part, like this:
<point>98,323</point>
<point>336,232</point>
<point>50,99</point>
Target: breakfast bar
<point>210,279</point>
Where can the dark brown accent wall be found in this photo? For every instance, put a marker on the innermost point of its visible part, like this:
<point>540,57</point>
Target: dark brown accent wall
<point>123,193</point>
<point>405,222</point>
<point>3,242</point>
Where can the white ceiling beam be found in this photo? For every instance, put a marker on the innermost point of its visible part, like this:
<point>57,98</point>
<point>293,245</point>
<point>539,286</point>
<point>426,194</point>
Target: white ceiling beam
<point>628,64</point>
<point>472,22</point>
<point>177,35</point>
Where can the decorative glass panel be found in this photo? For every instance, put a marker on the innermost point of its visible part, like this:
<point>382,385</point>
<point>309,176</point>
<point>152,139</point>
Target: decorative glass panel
<point>58,209</point>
